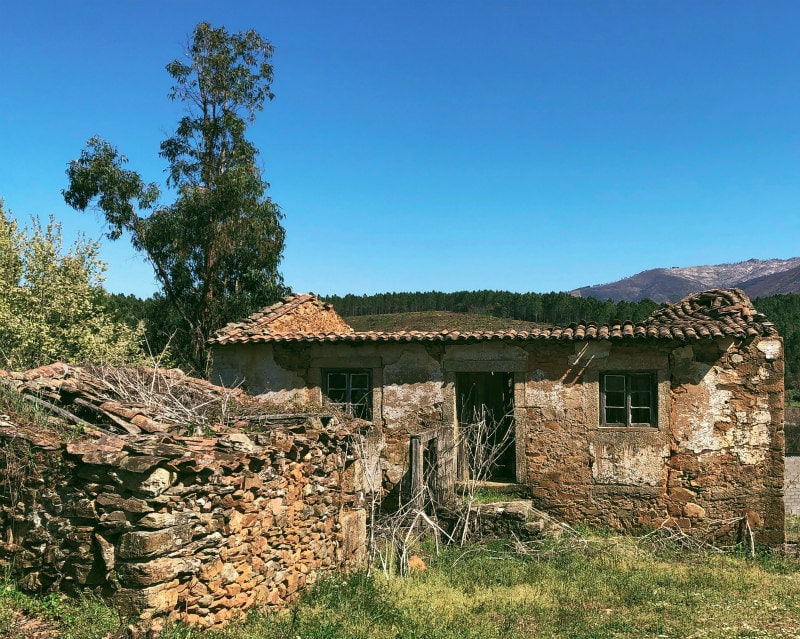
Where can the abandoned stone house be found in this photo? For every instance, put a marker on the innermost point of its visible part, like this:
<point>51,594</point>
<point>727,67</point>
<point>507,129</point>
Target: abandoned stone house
<point>677,419</point>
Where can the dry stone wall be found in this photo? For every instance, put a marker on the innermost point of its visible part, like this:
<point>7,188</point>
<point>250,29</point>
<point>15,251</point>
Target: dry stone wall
<point>193,529</point>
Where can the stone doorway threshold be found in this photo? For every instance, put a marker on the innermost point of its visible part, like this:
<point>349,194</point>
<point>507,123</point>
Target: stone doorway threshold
<point>512,489</point>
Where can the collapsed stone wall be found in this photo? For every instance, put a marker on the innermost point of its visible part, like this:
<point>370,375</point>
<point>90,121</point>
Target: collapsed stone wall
<point>191,529</point>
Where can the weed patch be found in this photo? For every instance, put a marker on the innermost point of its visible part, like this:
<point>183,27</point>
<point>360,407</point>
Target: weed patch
<point>53,616</point>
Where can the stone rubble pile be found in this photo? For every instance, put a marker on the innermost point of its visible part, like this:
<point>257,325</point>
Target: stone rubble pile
<point>133,400</point>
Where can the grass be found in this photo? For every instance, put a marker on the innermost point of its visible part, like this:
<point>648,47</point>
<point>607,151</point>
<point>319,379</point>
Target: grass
<point>603,587</point>
<point>437,321</point>
<point>610,587</point>
<point>24,413</point>
<point>488,495</point>
<point>31,418</point>
<point>53,615</point>
<point>793,528</point>
<point>616,590</point>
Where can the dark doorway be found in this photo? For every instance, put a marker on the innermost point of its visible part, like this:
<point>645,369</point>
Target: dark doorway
<point>485,405</point>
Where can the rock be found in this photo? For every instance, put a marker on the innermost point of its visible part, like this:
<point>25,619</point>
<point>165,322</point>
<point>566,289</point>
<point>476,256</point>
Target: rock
<point>693,511</point>
<point>228,574</point>
<point>140,463</point>
<point>681,494</point>
<point>155,599</point>
<point>151,486</point>
<point>157,520</point>
<point>238,442</point>
<point>113,502</point>
<point>163,569</point>
<point>138,544</point>
<point>106,551</point>
<point>416,564</point>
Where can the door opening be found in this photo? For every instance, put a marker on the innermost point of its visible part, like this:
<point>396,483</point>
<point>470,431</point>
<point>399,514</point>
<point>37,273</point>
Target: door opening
<point>485,406</point>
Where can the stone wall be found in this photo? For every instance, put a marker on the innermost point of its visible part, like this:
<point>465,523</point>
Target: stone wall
<point>715,455</point>
<point>409,395</point>
<point>192,529</point>
<point>791,483</point>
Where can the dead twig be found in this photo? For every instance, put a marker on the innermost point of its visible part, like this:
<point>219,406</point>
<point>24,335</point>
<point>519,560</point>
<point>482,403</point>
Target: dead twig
<point>56,410</point>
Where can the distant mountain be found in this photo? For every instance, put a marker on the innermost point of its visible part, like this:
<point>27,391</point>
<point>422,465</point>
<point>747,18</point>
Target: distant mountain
<point>758,278</point>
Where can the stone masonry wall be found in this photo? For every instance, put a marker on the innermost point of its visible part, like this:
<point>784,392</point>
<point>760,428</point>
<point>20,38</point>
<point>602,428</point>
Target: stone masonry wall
<point>716,454</point>
<point>182,528</point>
<point>409,393</point>
<point>791,490</point>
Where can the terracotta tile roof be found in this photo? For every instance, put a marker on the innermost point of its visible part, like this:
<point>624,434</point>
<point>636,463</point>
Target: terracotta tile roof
<point>298,314</point>
<point>707,315</point>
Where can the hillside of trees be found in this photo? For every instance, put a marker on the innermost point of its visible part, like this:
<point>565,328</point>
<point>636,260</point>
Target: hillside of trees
<point>784,312</point>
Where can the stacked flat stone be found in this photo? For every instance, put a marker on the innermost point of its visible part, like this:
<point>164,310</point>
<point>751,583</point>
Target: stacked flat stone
<point>191,529</point>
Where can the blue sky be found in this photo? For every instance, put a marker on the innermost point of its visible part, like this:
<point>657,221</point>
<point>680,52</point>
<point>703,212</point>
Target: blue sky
<point>420,145</point>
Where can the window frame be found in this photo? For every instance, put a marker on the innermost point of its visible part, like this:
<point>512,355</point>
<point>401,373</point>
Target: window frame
<point>628,405</point>
<point>348,404</point>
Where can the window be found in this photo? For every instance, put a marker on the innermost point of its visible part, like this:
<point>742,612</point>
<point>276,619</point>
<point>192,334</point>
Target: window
<point>350,391</point>
<point>628,399</point>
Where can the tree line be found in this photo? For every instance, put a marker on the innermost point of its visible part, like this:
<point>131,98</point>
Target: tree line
<point>53,307</point>
<point>784,312</point>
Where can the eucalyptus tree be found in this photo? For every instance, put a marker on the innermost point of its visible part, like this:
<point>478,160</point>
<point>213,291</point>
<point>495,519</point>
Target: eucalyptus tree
<point>216,248</point>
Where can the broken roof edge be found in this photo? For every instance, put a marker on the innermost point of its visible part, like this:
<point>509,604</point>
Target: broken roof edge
<point>710,314</point>
<point>283,318</point>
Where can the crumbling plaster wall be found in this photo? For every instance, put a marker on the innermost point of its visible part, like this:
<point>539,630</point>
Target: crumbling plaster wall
<point>791,490</point>
<point>409,395</point>
<point>791,484</point>
<point>574,468</point>
<point>256,369</point>
<point>715,454</point>
<point>727,411</point>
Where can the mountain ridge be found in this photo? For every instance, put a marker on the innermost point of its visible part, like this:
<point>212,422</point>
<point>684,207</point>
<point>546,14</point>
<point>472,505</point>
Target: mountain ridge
<point>756,277</point>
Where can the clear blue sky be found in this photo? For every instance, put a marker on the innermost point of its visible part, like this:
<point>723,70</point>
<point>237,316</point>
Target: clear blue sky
<point>417,145</point>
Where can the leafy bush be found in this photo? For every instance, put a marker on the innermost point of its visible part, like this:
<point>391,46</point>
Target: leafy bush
<point>50,302</point>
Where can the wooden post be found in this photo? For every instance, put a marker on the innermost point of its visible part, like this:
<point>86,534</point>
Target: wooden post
<point>447,456</point>
<point>417,479</point>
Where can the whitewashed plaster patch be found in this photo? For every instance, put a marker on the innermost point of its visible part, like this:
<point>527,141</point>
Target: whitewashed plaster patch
<point>772,348</point>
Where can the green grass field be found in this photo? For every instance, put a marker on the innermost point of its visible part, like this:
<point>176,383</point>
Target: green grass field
<point>437,321</point>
